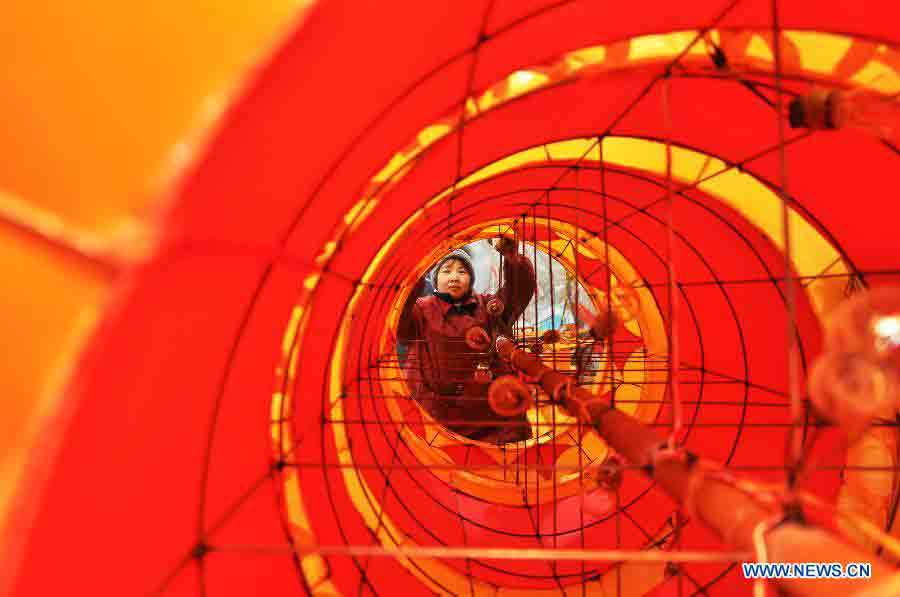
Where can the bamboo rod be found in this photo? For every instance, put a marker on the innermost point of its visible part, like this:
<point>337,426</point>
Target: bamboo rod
<point>701,487</point>
<point>496,553</point>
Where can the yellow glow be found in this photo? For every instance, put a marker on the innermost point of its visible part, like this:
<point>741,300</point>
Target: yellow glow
<point>316,572</point>
<point>370,206</point>
<point>292,362</point>
<point>315,569</point>
<point>327,252</point>
<point>291,331</point>
<point>471,108</point>
<point>397,162</point>
<point>635,153</point>
<point>759,48</point>
<point>586,57</point>
<point>488,100</point>
<point>310,281</point>
<point>573,149</point>
<point>351,214</point>
<point>628,395</point>
<point>820,52</point>
<point>879,77</point>
<point>521,78</point>
<point>663,45</point>
<point>689,166</point>
<point>517,160</point>
<point>433,133</point>
<point>277,397</point>
<point>523,81</point>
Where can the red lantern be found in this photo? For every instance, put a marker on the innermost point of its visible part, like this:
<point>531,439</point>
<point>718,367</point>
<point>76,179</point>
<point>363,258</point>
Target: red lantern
<point>495,307</point>
<point>478,339</point>
<point>509,397</point>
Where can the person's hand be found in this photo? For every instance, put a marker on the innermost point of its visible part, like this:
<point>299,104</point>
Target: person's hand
<point>504,245</point>
<point>478,339</point>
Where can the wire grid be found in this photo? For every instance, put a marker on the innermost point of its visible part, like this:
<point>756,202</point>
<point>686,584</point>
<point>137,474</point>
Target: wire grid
<point>681,373</point>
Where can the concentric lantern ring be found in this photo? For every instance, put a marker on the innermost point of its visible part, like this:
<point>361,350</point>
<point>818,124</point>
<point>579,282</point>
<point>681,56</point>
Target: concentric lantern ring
<point>367,208</point>
<point>368,493</point>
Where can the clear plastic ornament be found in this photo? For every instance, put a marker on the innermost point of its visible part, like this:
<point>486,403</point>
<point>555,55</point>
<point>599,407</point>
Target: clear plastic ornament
<point>861,109</point>
<point>850,389</point>
<point>858,376</point>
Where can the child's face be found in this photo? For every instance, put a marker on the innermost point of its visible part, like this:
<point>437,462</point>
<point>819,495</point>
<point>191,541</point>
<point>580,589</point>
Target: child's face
<point>453,278</point>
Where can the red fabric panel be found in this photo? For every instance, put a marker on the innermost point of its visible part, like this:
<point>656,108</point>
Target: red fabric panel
<point>699,111</point>
<point>238,573</point>
<point>871,20</point>
<point>255,518</point>
<point>241,442</point>
<point>331,107</point>
<point>347,183</point>
<point>838,178</point>
<point>129,480</point>
<point>186,583</point>
<point>578,109</point>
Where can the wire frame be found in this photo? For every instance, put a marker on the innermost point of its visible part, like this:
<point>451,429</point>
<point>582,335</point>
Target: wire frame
<point>375,438</point>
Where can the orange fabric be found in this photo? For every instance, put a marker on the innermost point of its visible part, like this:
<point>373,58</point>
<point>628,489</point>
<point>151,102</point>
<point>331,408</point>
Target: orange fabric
<point>170,441</point>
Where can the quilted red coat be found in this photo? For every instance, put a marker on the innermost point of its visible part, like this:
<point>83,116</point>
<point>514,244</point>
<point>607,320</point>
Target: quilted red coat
<point>441,366</point>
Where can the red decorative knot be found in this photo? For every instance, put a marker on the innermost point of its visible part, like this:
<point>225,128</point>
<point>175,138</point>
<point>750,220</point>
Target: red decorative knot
<point>482,373</point>
<point>478,339</point>
<point>509,397</point>
<point>495,307</point>
<point>604,325</point>
<point>550,337</point>
<point>601,324</point>
<point>608,476</point>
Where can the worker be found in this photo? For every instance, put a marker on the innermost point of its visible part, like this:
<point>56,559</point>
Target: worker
<point>449,378</point>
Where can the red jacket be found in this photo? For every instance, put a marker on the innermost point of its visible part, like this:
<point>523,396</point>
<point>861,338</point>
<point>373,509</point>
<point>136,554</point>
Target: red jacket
<point>440,365</point>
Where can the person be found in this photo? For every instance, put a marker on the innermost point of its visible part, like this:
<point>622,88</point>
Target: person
<point>450,379</point>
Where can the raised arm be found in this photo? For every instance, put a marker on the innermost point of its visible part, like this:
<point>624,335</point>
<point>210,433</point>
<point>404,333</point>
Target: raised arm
<point>518,283</point>
<point>408,328</point>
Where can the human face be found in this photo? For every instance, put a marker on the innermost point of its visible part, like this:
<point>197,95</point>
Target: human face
<point>453,278</point>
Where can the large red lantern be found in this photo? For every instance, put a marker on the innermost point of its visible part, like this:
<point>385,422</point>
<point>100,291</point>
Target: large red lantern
<point>239,423</point>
